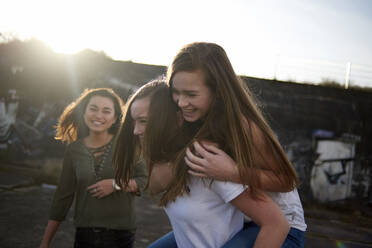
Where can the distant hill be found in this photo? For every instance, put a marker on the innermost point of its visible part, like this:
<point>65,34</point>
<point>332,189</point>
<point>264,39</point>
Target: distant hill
<point>39,74</point>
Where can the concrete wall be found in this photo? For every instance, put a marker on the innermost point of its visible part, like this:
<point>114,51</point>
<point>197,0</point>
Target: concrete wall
<point>302,116</point>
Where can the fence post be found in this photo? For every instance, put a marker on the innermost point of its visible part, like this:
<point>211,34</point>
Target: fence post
<point>276,68</point>
<point>347,76</point>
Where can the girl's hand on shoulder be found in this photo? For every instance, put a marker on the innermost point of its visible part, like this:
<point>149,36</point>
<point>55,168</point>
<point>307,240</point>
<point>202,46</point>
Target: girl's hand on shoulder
<point>211,162</point>
<point>101,189</point>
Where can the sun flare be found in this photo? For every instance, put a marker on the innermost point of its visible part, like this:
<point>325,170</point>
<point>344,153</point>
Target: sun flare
<point>69,26</point>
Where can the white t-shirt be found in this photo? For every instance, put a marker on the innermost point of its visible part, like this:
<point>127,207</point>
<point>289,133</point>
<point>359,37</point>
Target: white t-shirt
<point>205,218</point>
<point>291,206</point>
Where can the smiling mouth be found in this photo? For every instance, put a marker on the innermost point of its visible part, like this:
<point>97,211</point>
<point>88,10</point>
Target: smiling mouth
<point>97,123</point>
<point>188,111</point>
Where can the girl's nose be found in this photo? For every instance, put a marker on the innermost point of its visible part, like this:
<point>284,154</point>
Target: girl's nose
<point>137,130</point>
<point>182,102</point>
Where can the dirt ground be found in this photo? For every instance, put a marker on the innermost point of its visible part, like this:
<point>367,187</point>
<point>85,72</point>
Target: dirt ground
<point>25,203</point>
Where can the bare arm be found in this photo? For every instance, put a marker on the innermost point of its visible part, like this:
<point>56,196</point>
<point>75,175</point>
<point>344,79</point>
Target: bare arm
<point>265,157</point>
<point>274,227</point>
<point>160,178</point>
<point>272,182</point>
<point>269,181</point>
<point>139,180</point>
<point>49,233</point>
<point>132,186</point>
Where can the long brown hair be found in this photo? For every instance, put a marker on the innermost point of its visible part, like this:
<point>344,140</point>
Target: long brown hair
<point>71,125</point>
<point>162,120</point>
<point>233,109</point>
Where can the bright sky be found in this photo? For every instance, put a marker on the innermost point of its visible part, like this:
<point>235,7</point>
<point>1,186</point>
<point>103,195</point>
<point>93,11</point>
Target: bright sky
<point>301,40</point>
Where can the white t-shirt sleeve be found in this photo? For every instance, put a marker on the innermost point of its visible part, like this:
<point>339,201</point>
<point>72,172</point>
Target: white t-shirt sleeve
<point>227,190</point>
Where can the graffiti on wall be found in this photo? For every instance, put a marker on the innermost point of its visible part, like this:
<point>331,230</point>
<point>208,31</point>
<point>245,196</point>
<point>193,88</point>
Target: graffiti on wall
<point>337,174</point>
<point>328,168</point>
<point>26,136</point>
<point>300,153</point>
<point>332,172</point>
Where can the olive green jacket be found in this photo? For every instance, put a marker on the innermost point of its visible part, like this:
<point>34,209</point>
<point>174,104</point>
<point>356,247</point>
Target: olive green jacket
<point>116,211</point>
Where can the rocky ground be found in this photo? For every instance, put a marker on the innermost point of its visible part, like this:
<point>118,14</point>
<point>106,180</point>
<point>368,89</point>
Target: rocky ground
<point>25,201</point>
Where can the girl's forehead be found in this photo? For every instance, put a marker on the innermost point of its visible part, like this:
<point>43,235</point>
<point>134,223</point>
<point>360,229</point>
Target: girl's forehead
<point>185,80</point>
<point>101,101</point>
<point>140,107</point>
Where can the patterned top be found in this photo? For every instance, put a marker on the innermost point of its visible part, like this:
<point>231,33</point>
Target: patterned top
<point>115,211</point>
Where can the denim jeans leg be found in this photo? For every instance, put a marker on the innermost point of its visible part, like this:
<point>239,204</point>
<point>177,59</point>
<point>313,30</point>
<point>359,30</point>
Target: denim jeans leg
<point>167,241</point>
<point>104,238</point>
<point>117,239</point>
<point>84,239</point>
<point>245,237</point>
<point>295,239</point>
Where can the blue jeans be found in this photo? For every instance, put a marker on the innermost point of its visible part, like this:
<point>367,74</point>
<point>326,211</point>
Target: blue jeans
<point>167,241</point>
<point>91,237</point>
<point>247,236</point>
<point>244,238</point>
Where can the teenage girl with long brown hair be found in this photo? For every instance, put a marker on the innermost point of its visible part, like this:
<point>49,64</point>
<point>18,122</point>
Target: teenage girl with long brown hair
<point>211,96</point>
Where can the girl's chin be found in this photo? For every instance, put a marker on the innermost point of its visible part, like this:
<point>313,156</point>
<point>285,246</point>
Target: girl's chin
<point>190,117</point>
<point>190,120</point>
<point>98,130</point>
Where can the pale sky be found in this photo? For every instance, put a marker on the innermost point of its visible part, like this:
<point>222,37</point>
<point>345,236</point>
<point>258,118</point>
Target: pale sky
<point>300,40</point>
